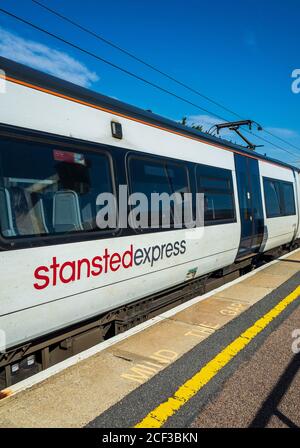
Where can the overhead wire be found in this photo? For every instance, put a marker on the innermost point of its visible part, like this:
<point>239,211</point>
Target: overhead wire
<point>156,69</point>
<point>128,72</point>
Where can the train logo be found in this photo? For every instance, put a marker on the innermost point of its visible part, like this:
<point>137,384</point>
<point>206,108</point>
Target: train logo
<point>70,271</point>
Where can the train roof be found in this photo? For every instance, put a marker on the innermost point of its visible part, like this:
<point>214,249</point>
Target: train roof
<point>36,78</point>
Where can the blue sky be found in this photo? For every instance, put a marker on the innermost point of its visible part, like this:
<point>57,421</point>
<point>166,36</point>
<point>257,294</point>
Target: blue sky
<point>242,54</point>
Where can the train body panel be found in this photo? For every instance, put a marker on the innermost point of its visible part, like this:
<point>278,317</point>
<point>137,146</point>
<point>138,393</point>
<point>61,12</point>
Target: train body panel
<point>279,229</point>
<point>70,119</point>
<point>197,251</point>
<point>297,183</point>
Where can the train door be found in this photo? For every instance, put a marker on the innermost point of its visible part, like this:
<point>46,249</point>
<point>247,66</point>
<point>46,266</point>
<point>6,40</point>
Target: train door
<point>250,204</point>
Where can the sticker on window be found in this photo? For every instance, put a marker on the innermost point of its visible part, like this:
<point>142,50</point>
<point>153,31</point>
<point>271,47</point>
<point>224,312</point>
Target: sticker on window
<point>68,157</point>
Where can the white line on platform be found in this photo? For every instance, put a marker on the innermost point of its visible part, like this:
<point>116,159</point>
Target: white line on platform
<point>57,368</point>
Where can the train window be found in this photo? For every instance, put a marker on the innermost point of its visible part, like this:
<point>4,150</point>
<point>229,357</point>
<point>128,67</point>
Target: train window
<point>272,198</point>
<point>46,189</point>
<point>151,176</point>
<point>288,198</point>
<point>279,198</point>
<point>216,184</point>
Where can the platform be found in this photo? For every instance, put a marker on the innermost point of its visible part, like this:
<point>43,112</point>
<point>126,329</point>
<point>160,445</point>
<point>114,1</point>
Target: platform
<point>207,362</point>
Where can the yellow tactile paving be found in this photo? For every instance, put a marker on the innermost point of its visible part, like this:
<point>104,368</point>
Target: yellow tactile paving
<point>158,416</point>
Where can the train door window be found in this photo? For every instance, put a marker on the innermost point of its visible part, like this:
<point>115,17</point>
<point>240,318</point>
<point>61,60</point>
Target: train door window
<point>47,189</point>
<point>149,176</point>
<point>288,198</point>
<point>216,185</point>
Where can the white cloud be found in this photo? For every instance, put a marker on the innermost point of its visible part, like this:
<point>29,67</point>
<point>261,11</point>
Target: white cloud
<point>207,121</point>
<point>45,58</point>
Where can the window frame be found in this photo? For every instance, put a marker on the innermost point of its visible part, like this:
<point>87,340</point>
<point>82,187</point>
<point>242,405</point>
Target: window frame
<point>282,202</point>
<point>162,161</point>
<point>69,144</point>
<point>231,192</point>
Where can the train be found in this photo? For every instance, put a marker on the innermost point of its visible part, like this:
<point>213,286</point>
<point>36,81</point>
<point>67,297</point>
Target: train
<point>67,284</point>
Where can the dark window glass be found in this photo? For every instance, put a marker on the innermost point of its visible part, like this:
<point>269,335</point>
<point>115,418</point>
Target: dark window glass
<point>47,189</point>
<point>177,178</point>
<point>279,198</point>
<point>218,207</point>
<point>288,198</point>
<point>213,183</point>
<point>216,184</point>
<point>150,176</point>
<point>272,198</point>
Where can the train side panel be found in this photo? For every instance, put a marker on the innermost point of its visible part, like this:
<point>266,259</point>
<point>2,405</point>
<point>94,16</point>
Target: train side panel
<point>28,312</point>
<point>297,177</point>
<point>282,229</point>
<point>58,116</point>
<point>34,304</point>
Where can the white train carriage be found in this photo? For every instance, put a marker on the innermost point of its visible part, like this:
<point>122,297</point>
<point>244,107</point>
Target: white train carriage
<point>60,146</point>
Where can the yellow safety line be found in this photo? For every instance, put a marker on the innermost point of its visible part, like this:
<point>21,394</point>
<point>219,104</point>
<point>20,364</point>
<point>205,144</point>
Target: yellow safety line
<point>158,416</point>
